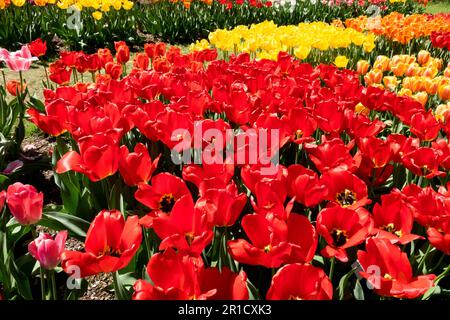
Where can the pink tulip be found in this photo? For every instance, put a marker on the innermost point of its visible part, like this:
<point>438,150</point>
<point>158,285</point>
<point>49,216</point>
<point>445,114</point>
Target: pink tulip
<point>2,199</point>
<point>18,60</point>
<point>47,250</point>
<point>25,203</point>
<point>3,53</point>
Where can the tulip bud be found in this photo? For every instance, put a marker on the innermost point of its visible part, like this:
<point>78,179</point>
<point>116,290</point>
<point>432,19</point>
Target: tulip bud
<point>412,70</point>
<point>399,69</point>
<point>431,86</point>
<point>447,72</point>
<point>25,203</point>
<point>382,63</point>
<point>390,82</point>
<point>47,250</point>
<point>423,56</point>
<point>141,61</point>
<point>421,97</point>
<point>444,92</point>
<point>441,111</point>
<point>373,77</point>
<point>122,53</point>
<point>405,92</point>
<point>113,69</point>
<point>429,72</point>
<point>14,87</point>
<point>362,67</point>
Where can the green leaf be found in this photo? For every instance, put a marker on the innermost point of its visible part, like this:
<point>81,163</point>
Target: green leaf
<point>358,291</point>
<point>119,287</point>
<point>57,220</point>
<point>432,291</point>
<point>343,284</point>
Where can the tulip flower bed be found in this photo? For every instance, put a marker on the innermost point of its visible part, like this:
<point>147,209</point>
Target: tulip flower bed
<point>89,25</point>
<point>195,177</point>
<point>420,77</point>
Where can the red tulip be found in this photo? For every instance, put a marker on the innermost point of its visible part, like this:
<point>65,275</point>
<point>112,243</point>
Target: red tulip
<point>136,167</point>
<point>25,203</point>
<point>38,47</point>
<point>186,228</point>
<point>111,242</point>
<point>47,250</point>
<point>394,219</point>
<point>275,242</point>
<point>378,151</point>
<point>113,69</point>
<point>209,176</point>
<point>105,56</point>
<point>440,237</point>
<point>332,154</point>
<point>98,157</point>
<point>300,282</point>
<point>425,126</point>
<point>180,277</point>
<point>175,129</point>
<point>141,61</point>
<point>342,228</point>
<point>303,125</point>
<point>305,186</point>
<point>388,271</point>
<point>155,49</point>
<point>345,189</point>
<point>423,162</point>
<point>252,174</point>
<point>122,52</point>
<point>161,196</point>
<point>430,208</point>
<point>360,126</point>
<point>222,206</point>
<point>59,74</point>
<point>329,118</point>
<point>69,58</point>
<point>55,120</point>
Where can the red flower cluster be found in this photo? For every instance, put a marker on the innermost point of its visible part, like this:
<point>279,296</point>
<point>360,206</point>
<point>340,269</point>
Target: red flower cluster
<point>323,114</point>
<point>440,39</point>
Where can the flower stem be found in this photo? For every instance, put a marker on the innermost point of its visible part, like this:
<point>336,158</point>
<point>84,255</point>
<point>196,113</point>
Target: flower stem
<point>51,276</point>
<point>333,262</point>
<point>442,275</point>
<point>46,76</point>
<point>41,270</point>
<point>4,78</point>
<point>424,257</point>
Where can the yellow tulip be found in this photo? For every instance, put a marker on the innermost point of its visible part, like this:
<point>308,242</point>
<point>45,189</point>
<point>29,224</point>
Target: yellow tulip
<point>341,61</point>
<point>18,3</point>
<point>127,5</point>
<point>302,52</point>
<point>97,15</point>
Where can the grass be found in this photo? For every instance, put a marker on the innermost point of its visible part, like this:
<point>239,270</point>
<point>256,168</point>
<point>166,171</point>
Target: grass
<point>438,6</point>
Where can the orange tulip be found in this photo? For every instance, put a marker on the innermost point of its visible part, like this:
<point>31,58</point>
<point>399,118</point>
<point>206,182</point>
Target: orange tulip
<point>423,57</point>
<point>362,67</point>
<point>444,92</point>
<point>373,77</point>
<point>382,63</point>
<point>399,69</point>
<point>14,87</point>
<point>422,97</point>
<point>390,82</point>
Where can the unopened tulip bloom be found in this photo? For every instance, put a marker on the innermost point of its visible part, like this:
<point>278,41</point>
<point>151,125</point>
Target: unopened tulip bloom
<point>47,250</point>
<point>25,203</point>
